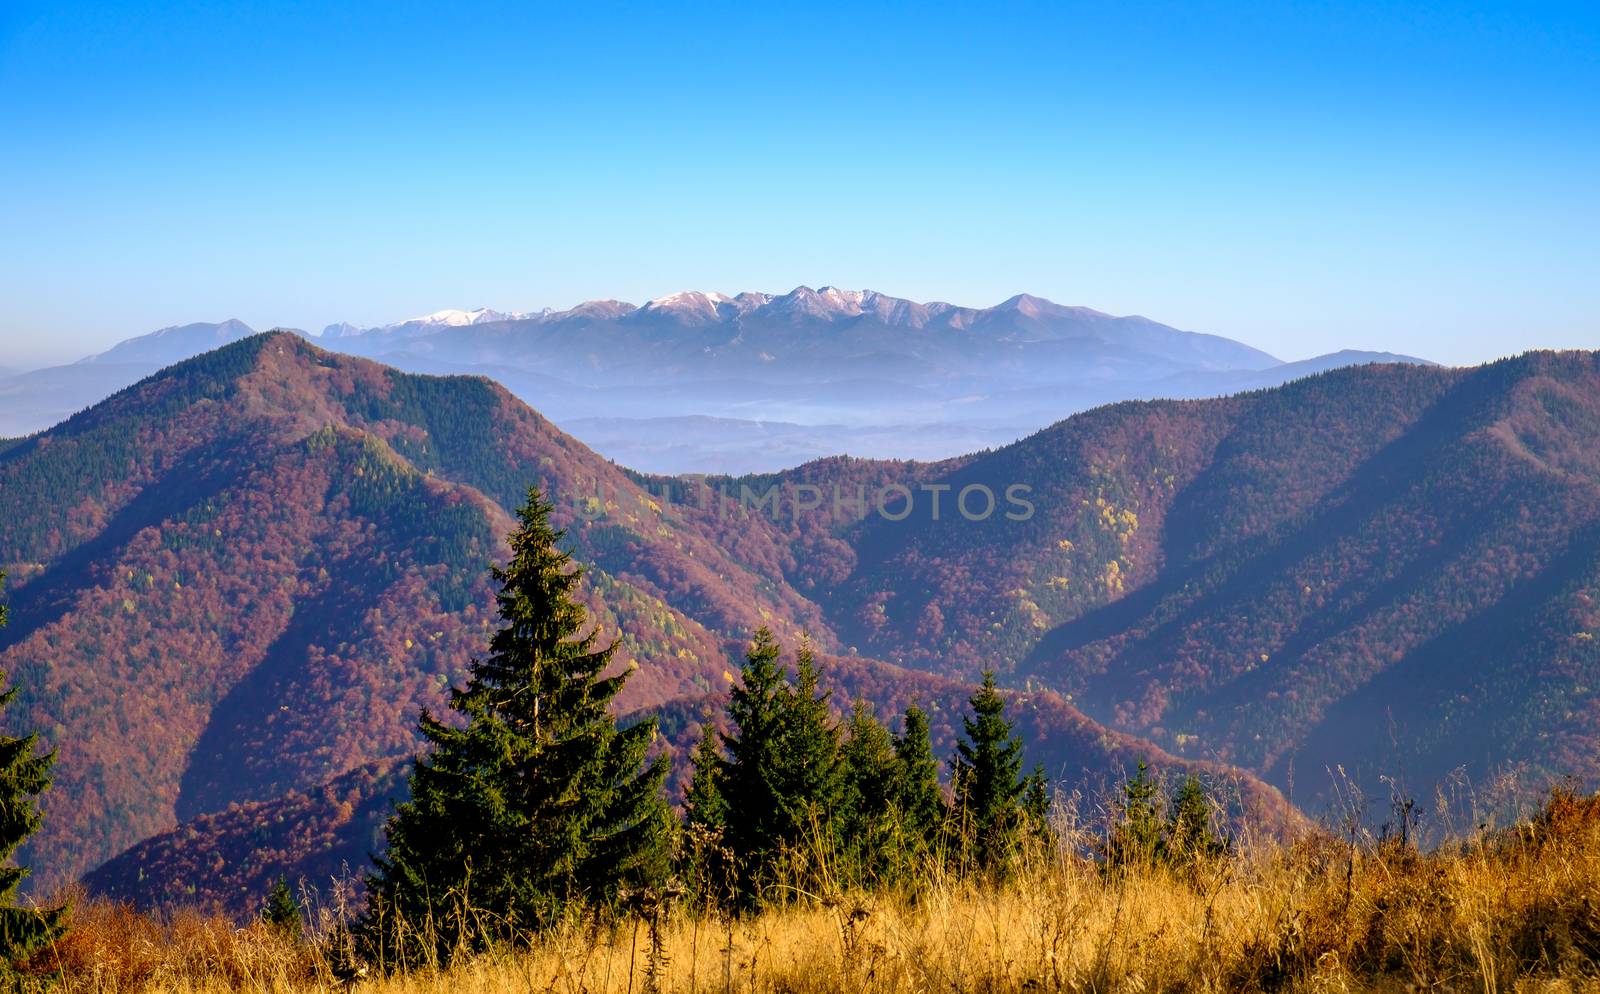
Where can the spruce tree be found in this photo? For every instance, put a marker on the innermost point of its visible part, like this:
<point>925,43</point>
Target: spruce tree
<point>1190,837</point>
<point>811,774</point>
<point>1036,804</point>
<point>755,744</point>
<point>782,778</point>
<point>705,815</point>
<point>1136,837</point>
<point>704,805</point>
<point>918,799</point>
<point>282,911</point>
<point>24,775</point>
<point>534,799</point>
<point>987,772</point>
<point>869,825</point>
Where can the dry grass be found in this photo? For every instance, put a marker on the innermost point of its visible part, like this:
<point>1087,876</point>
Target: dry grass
<point>1513,911</point>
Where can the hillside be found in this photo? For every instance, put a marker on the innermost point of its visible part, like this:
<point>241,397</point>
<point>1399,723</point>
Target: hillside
<point>245,575</point>
<point>241,578</point>
<point>1426,604</point>
<point>1390,569</point>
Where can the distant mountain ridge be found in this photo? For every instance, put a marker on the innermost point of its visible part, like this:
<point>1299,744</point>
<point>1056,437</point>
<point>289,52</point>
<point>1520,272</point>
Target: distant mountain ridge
<point>861,372</point>
<point>237,580</point>
<point>449,318</point>
<point>166,346</point>
<point>1020,319</point>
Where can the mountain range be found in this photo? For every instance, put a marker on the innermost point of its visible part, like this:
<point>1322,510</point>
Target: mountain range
<point>233,584</point>
<point>704,382</point>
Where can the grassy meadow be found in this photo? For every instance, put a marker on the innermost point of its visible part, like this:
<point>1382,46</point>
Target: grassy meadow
<point>1514,909</point>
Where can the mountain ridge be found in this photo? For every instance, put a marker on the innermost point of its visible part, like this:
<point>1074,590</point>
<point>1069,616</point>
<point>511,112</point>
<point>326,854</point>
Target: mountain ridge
<point>852,366</point>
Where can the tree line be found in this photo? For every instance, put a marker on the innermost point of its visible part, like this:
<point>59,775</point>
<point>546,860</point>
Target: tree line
<point>532,801</point>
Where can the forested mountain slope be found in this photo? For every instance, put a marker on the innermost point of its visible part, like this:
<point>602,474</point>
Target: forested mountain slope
<point>245,574</point>
<point>1389,568</point>
<point>1406,599</point>
<point>242,577</point>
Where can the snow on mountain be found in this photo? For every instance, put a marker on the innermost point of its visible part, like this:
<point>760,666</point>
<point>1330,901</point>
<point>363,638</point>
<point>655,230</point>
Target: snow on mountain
<point>688,303</point>
<point>701,308</point>
<point>827,304</point>
<point>449,318</point>
<point>458,319</point>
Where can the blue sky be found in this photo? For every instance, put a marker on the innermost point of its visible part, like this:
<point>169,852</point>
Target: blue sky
<point>1424,179</point>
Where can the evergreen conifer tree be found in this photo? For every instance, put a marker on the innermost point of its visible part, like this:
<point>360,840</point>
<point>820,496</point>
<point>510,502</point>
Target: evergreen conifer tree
<point>704,805</point>
<point>811,774</point>
<point>783,775</point>
<point>281,911</point>
<point>1036,804</point>
<point>24,775</point>
<point>1136,837</point>
<point>868,816</point>
<point>750,784</point>
<point>1190,837</point>
<point>988,780</point>
<point>705,816</point>
<point>535,798</point>
<point>918,799</point>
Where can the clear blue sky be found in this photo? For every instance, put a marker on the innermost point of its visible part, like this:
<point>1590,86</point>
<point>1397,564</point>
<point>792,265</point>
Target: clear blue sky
<point>1424,179</point>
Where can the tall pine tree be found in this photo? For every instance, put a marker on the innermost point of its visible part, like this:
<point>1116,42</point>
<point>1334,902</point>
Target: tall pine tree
<point>535,799</point>
<point>24,775</point>
<point>750,782</point>
<point>705,863</point>
<point>869,827</point>
<point>811,774</point>
<point>783,774</point>
<point>987,773</point>
<point>917,796</point>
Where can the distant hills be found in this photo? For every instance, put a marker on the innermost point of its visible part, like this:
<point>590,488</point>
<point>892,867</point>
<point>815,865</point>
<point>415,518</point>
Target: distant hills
<point>235,582</point>
<point>694,382</point>
<point>1390,569</point>
<point>243,576</point>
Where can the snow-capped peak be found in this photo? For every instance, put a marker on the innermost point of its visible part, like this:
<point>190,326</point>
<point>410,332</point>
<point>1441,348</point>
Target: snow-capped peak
<point>692,306</point>
<point>693,300</point>
<point>458,318</point>
<point>843,298</point>
<point>450,318</point>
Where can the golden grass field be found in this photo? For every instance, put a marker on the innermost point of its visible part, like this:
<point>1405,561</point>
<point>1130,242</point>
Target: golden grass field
<point>1512,910</point>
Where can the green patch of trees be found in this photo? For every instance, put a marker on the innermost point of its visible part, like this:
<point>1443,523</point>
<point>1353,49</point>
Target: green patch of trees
<point>1174,827</point>
<point>792,802</point>
<point>531,800</point>
<point>24,775</point>
<point>532,804</point>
